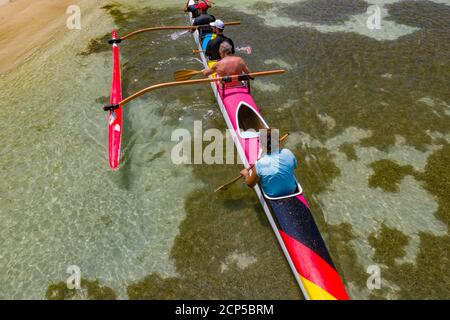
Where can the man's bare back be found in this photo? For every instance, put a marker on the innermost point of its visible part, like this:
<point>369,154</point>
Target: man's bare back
<point>230,65</point>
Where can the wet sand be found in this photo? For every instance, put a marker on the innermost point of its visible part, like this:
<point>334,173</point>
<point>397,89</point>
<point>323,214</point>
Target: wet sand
<point>27,25</point>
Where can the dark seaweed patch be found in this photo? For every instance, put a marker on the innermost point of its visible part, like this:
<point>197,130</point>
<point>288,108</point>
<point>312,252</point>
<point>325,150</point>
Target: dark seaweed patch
<point>119,17</point>
<point>349,150</point>
<point>97,45</point>
<point>389,244</point>
<point>95,291</point>
<point>388,174</point>
<point>324,11</point>
<point>437,181</point>
<point>427,279</point>
<point>421,14</point>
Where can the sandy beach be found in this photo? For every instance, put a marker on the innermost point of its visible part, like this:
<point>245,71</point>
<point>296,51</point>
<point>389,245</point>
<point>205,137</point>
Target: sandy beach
<point>27,25</point>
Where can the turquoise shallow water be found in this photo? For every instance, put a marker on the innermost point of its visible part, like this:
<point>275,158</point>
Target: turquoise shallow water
<point>369,113</point>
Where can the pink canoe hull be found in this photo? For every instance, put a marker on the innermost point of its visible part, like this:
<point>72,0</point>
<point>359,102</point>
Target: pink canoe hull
<point>233,98</point>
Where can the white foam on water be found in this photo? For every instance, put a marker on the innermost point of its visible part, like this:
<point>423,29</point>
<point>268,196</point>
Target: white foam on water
<point>356,23</point>
<point>242,261</point>
<point>433,103</point>
<point>266,86</point>
<point>438,135</point>
<point>281,63</point>
<point>446,2</point>
<point>428,101</point>
<point>327,120</point>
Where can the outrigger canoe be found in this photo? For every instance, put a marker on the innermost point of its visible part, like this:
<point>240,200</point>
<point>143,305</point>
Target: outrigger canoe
<point>115,115</point>
<point>290,216</point>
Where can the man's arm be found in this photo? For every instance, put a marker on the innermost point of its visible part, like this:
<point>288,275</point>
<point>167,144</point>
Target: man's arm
<point>251,178</point>
<point>208,72</point>
<point>244,67</point>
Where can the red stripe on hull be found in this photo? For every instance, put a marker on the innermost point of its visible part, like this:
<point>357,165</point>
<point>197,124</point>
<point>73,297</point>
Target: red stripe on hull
<point>312,267</point>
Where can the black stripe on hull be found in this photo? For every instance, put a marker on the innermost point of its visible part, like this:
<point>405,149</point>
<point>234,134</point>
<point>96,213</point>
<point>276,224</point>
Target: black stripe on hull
<point>296,220</point>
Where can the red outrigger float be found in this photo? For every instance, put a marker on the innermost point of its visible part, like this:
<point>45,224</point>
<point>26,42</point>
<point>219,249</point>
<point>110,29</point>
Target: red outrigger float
<point>290,217</point>
<point>115,116</point>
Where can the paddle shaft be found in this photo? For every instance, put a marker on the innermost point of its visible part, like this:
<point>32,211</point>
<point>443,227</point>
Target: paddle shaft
<point>197,81</point>
<point>233,23</point>
<point>241,175</point>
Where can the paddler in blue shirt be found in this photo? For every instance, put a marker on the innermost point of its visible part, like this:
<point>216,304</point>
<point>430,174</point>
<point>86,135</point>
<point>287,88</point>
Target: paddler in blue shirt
<point>274,171</point>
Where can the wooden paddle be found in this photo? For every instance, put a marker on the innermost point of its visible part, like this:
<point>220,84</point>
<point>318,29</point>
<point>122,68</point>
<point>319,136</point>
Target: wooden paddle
<point>231,182</point>
<point>181,83</point>
<point>132,34</point>
<point>182,75</point>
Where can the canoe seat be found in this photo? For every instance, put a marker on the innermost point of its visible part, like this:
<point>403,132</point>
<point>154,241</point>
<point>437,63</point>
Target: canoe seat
<point>249,122</point>
<point>297,192</point>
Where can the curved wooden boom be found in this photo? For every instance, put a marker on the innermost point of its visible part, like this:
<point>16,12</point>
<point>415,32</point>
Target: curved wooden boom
<point>181,83</point>
<point>233,23</point>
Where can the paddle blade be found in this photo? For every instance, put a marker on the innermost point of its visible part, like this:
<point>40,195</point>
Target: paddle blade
<point>228,184</point>
<point>221,188</point>
<point>224,187</point>
<point>183,75</point>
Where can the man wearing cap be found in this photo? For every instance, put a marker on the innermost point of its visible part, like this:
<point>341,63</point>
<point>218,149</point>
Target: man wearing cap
<point>212,50</point>
<point>193,7</point>
<point>203,19</point>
